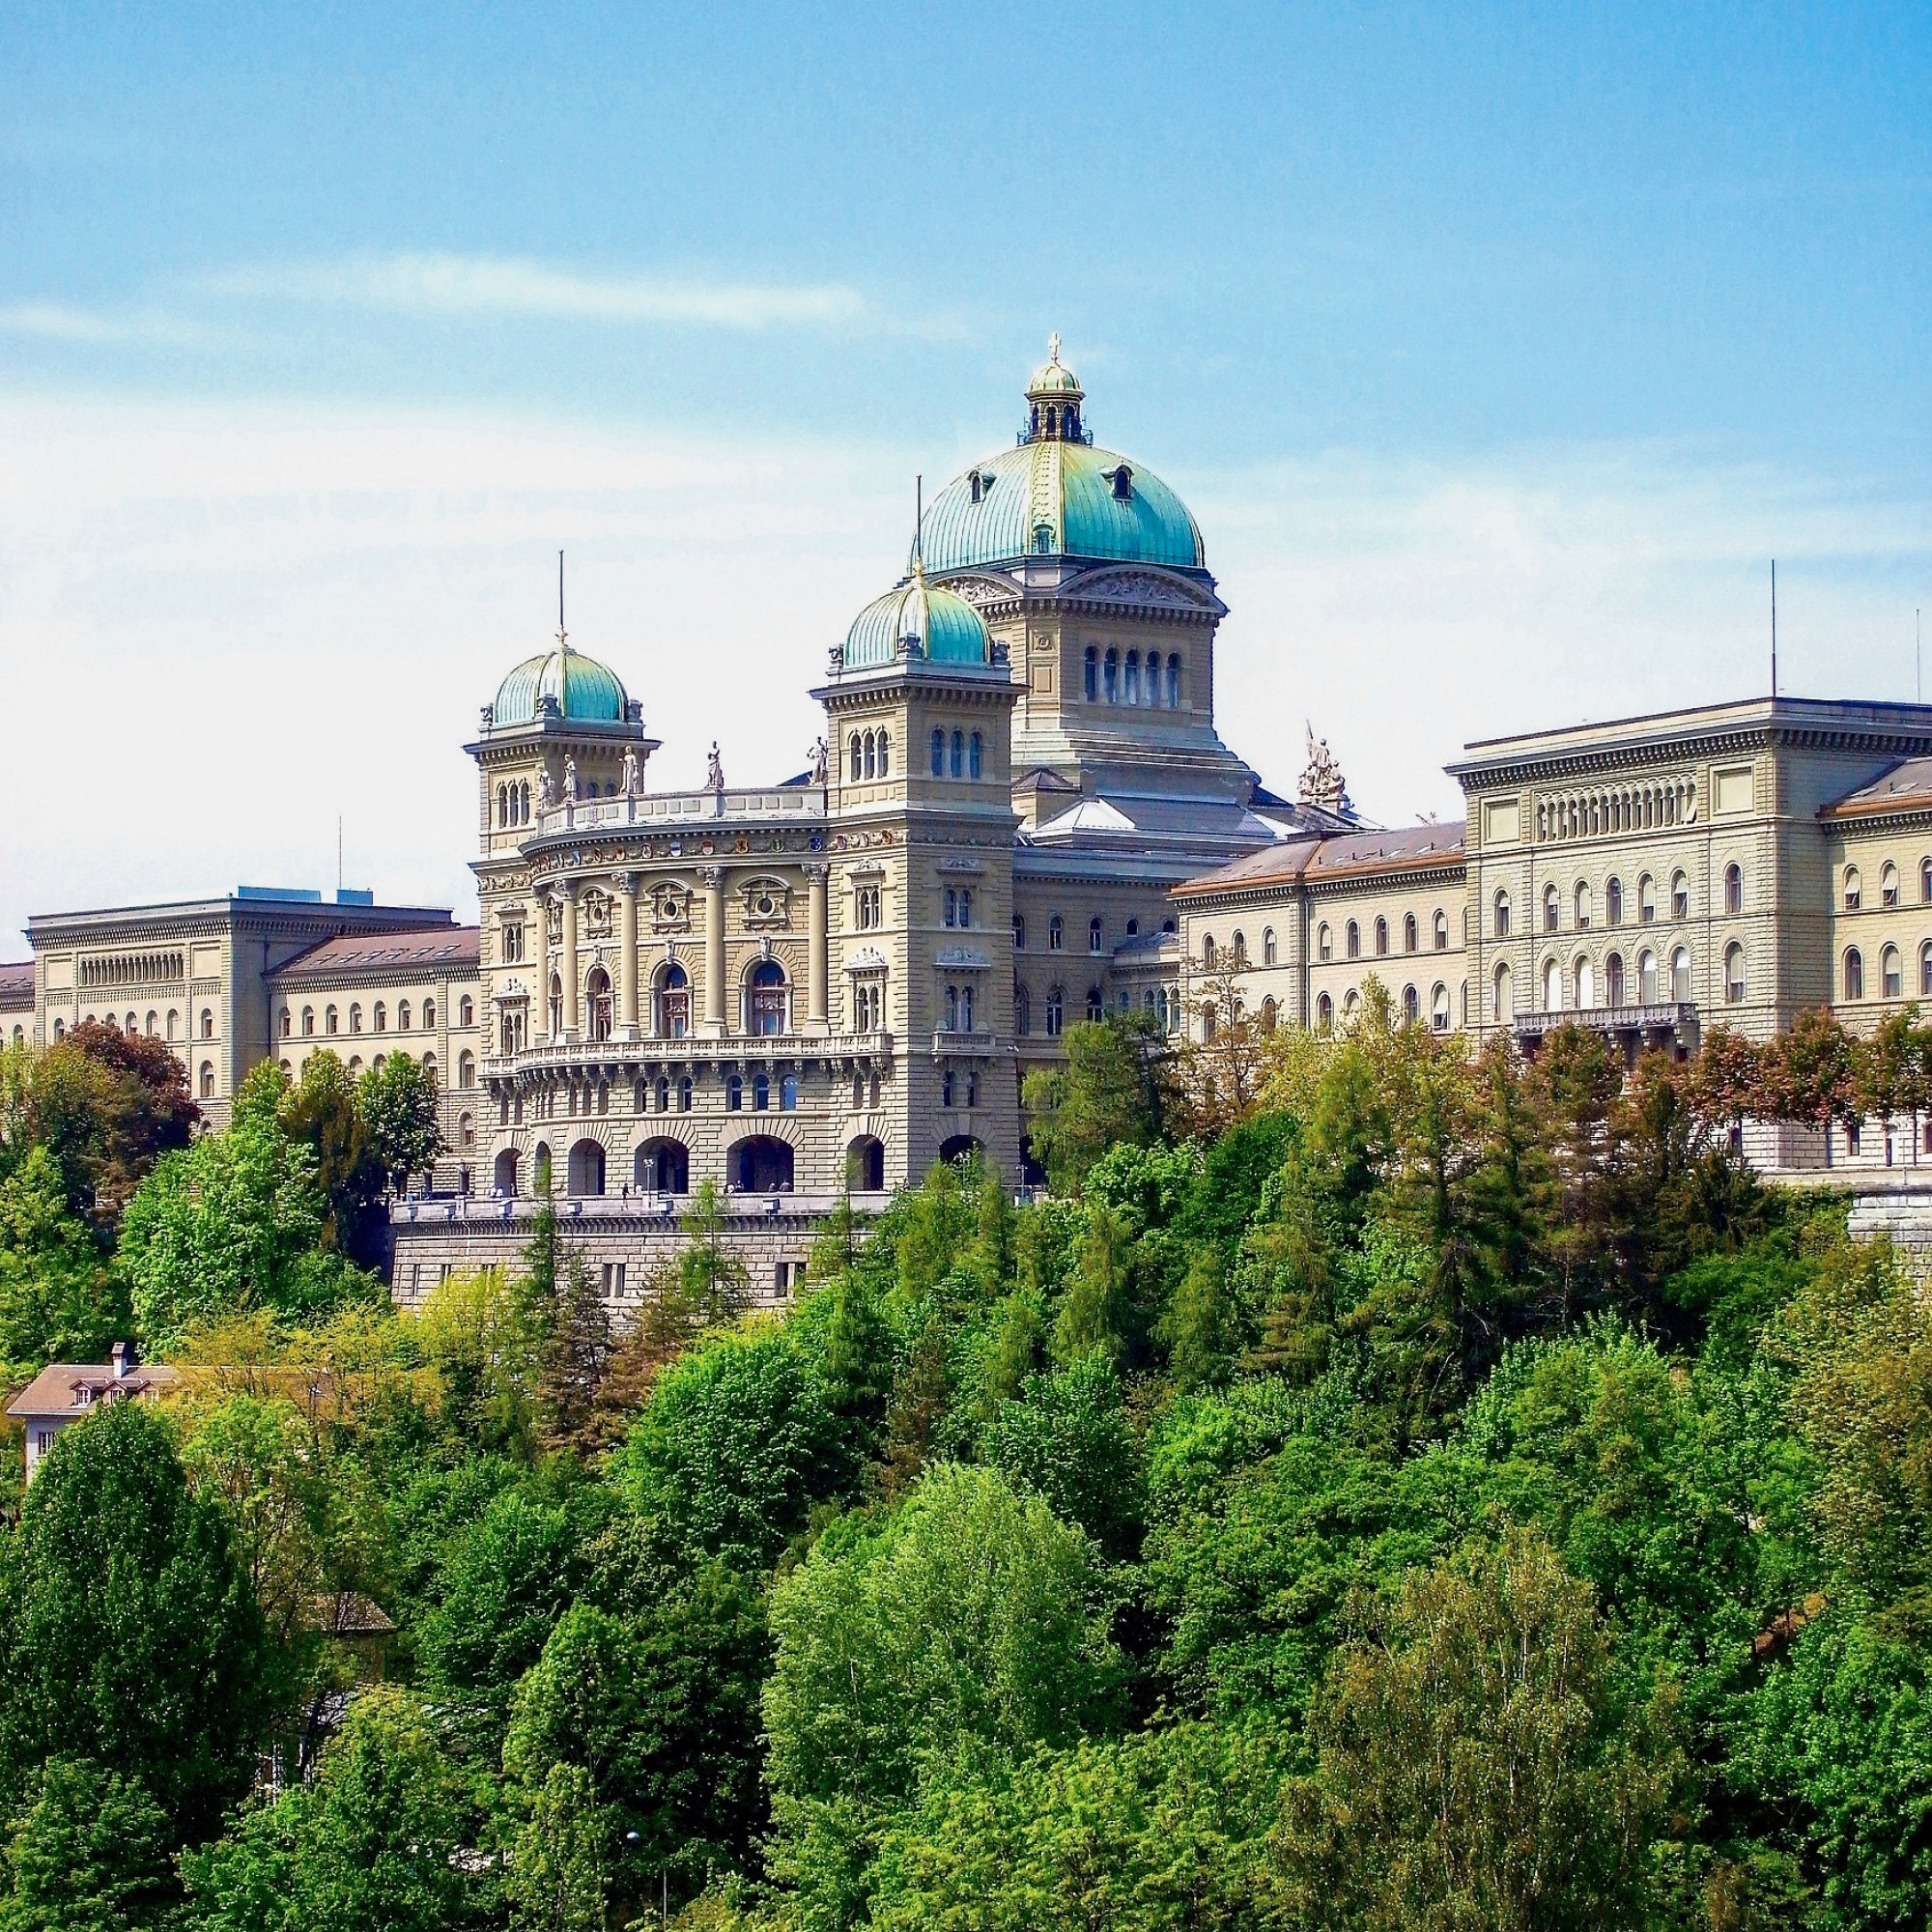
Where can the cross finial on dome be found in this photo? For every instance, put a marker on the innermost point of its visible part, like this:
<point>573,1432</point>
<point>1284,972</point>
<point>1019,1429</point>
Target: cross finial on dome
<point>1053,346</point>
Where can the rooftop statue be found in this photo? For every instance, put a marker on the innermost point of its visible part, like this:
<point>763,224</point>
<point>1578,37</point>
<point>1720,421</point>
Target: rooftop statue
<point>1322,781</point>
<point>819,756</point>
<point>714,770</point>
<point>631,786</point>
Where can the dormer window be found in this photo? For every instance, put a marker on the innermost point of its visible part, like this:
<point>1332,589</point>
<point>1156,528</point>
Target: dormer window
<point>977,484</point>
<point>1043,539</point>
<point>1122,478</point>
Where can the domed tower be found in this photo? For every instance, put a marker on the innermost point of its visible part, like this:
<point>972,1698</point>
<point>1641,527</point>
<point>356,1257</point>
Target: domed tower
<point>1090,570</point>
<point>919,822</point>
<point>560,733</point>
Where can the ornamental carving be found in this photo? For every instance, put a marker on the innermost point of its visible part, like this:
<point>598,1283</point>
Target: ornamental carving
<point>671,907</point>
<point>554,920</point>
<point>1134,587</point>
<point>767,905</point>
<point>596,914</point>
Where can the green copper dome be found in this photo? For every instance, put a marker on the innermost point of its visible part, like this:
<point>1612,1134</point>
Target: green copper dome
<point>941,625</point>
<point>584,691</point>
<point>1056,495</point>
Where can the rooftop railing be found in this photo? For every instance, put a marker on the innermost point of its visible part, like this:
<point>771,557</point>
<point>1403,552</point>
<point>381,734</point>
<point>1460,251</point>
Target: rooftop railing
<point>791,804</point>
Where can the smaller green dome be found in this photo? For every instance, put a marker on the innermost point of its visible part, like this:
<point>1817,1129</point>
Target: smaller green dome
<point>939,624</point>
<point>586,691</point>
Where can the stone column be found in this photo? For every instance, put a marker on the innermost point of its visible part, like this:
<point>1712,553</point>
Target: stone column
<point>627,956</point>
<point>572,996</point>
<point>817,954</point>
<point>712,878</point>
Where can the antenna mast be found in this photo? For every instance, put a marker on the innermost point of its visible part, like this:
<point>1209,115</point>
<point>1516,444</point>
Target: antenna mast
<point>919,520</point>
<point>1774,627</point>
<point>561,633</point>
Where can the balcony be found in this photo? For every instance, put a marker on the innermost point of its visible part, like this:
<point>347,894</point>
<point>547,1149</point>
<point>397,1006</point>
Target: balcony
<point>633,1059</point>
<point>640,1208</point>
<point>661,812</point>
<point>955,1044</point>
<point>1676,1019</point>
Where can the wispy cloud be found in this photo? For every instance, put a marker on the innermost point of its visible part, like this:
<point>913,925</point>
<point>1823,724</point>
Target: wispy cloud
<point>60,321</point>
<point>494,285</point>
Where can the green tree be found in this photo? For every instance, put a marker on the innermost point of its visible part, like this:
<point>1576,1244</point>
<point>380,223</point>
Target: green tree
<point>130,1634</point>
<point>1477,1765</point>
<point>1105,1093</point>
<point>59,1301</point>
<point>1067,1439</point>
<point>320,1112</point>
<point>402,1118</point>
<point>90,1853</point>
<point>737,1443</point>
<point>711,1274</point>
<point>973,1618</point>
<point>381,1838</point>
<point>576,1355</point>
<point>558,1881</point>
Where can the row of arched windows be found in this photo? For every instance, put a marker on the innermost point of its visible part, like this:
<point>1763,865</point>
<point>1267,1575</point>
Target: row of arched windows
<point>1096,932</point>
<point>513,804</point>
<point>1438,1013</point>
<point>1890,973</point>
<point>870,756</point>
<point>758,1164</point>
<point>1583,902</point>
<point>155,1027</point>
<point>1887,886</point>
<point>1108,679</point>
<point>1352,936</point>
<point>962,755</point>
<point>331,1018</point>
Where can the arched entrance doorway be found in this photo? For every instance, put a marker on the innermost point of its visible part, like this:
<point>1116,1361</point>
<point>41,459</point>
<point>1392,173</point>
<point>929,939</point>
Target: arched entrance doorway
<point>866,1165</point>
<point>664,1167</point>
<point>761,1165</point>
<point>961,1146</point>
<point>587,1168</point>
<point>504,1178</point>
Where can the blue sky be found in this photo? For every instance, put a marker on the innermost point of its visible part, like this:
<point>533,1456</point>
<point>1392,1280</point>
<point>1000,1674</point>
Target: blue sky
<point>1496,349</point>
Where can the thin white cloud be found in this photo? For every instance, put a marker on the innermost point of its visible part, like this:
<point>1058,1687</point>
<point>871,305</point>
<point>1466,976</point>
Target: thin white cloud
<point>60,321</point>
<point>493,285</point>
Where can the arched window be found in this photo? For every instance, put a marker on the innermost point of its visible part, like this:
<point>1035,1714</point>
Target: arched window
<point>1550,911</point>
<point>1680,975</point>
<point>1095,941</point>
<point>1438,1008</point>
<point>1853,889</point>
<point>1646,901</point>
<point>174,1024</point>
<point>429,1067</point>
<point>1552,987</point>
<point>1890,975</point>
<point>1442,924</point>
<point>598,988</point>
<point>355,1063</point>
<point>1734,887</point>
<point>332,1022</point>
<point>1925,881</point>
<point>1132,691</point>
<point>1680,896</point>
<point>1208,1023</point>
<point>1888,884</point>
<point>287,1023</point>
<point>1174,681</point>
<point>761,1091</point>
<point>938,753</point>
<point>672,998</point>
<point>1208,953</point>
<point>958,754</point>
<point>1268,1014</point>
<point>1734,972</point>
<point>952,1009</point>
<point>1411,1005</point>
<point>1410,932</point>
<point>1056,1010</point>
<point>1056,933</point>
<point>381,1017</point>
<point>1613,979</point>
<point>1354,945</point>
<point>1093,684</point>
<point>1584,978</point>
<point>308,1021</point>
<point>465,1068</point>
<point>1382,936</point>
<point>1095,1005</point>
<point>1613,901</point>
<point>1646,979</point>
<point>402,1017</point>
<point>1110,676</point>
<point>429,1015</point>
<point>975,752</point>
<point>502,805</point>
<point>1239,948</point>
<point>1324,1015</point>
<point>1503,915</point>
<point>465,1011</point>
<point>207,1080</point>
<point>1022,1010</point>
<point>788,1093</point>
<point>1019,932</point>
<point>1325,942</point>
<point>868,754</point>
<point>1581,902</point>
<point>734,1092</point>
<point>1926,977</point>
<point>684,1095</point>
<point>857,763</point>
<point>1268,943</point>
<point>885,755</point>
<point>765,1001</point>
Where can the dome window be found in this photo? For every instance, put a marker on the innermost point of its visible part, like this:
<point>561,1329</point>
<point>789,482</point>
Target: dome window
<point>1043,539</point>
<point>1122,478</point>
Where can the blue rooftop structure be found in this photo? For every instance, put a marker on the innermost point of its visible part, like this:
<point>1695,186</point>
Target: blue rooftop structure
<point>586,691</point>
<point>938,624</point>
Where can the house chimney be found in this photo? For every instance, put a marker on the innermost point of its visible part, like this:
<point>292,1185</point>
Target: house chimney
<point>121,1354</point>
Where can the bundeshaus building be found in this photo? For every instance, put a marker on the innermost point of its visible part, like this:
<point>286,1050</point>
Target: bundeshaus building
<point>1020,815</point>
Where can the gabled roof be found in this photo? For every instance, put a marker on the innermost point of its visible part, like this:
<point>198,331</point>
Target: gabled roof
<point>1906,787</point>
<point>376,954</point>
<point>56,1389</point>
